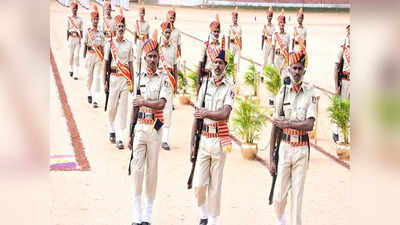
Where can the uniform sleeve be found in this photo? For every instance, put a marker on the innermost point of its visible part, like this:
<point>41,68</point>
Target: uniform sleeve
<point>230,96</point>
<point>67,24</point>
<point>200,96</point>
<point>179,38</point>
<point>278,103</point>
<point>147,30</point>
<point>305,34</point>
<point>174,57</point>
<point>166,89</point>
<point>130,57</point>
<point>203,52</point>
<point>312,107</point>
<point>106,51</point>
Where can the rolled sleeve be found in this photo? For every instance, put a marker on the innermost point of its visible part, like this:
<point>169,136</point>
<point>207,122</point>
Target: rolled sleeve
<point>230,96</point>
<point>166,89</point>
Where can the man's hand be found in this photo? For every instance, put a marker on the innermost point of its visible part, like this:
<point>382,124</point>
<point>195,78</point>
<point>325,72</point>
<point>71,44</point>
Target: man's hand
<point>130,143</point>
<point>281,123</point>
<point>138,101</point>
<point>200,113</point>
<point>105,88</point>
<point>272,169</point>
<point>191,153</point>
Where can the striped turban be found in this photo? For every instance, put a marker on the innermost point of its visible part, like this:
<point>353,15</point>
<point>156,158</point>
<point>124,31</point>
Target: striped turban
<point>120,18</point>
<point>215,24</point>
<point>74,4</point>
<point>270,11</point>
<point>300,13</point>
<point>107,4</point>
<point>172,12</point>
<point>235,13</point>
<point>95,12</point>
<point>165,25</point>
<point>151,44</point>
<point>296,57</point>
<point>282,17</point>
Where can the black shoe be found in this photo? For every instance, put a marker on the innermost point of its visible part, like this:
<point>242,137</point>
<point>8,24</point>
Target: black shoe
<point>89,99</point>
<point>75,78</point>
<point>95,105</point>
<point>173,108</point>
<point>145,223</point>
<point>112,138</point>
<point>203,221</point>
<point>335,137</point>
<point>71,74</point>
<point>271,102</point>
<point>165,146</point>
<point>120,145</point>
<point>136,223</point>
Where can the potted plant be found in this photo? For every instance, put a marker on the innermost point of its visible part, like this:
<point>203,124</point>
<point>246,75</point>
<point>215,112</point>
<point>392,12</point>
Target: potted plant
<point>184,97</point>
<point>250,78</point>
<point>247,121</point>
<point>339,112</point>
<point>193,82</point>
<point>273,80</point>
<point>231,69</point>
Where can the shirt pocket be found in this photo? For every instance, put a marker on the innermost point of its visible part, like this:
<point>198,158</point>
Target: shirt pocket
<point>301,113</point>
<point>287,109</point>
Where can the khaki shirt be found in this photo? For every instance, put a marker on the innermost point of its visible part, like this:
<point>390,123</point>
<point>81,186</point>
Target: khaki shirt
<point>204,50</point>
<point>176,37</point>
<point>342,55</point>
<point>169,53</point>
<point>285,40</point>
<point>78,21</point>
<point>153,88</point>
<point>297,106</point>
<point>104,27</point>
<point>144,28</point>
<point>98,37</point>
<point>216,96</point>
<point>268,31</point>
<point>238,31</point>
<point>124,51</point>
<point>301,32</point>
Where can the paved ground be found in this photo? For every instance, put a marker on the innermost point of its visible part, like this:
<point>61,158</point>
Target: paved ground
<point>102,195</point>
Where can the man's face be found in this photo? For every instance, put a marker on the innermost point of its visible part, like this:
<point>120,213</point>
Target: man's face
<point>120,29</point>
<point>142,13</point>
<point>171,18</point>
<point>219,66</point>
<point>215,33</point>
<point>300,19</point>
<point>348,31</point>
<point>74,10</point>
<point>167,34</point>
<point>269,18</point>
<point>95,21</point>
<point>151,59</point>
<point>234,18</point>
<point>108,11</point>
<point>282,25</point>
<point>297,72</point>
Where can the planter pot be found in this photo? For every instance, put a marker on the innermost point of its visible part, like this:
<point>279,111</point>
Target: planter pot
<point>343,151</point>
<point>255,100</point>
<point>249,151</point>
<point>184,99</point>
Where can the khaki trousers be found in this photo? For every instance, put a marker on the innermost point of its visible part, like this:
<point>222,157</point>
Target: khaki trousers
<point>345,93</point>
<point>146,146</point>
<point>139,51</point>
<point>118,100</point>
<point>94,70</point>
<point>168,111</point>
<point>292,168</point>
<point>267,54</point>
<point>74,47</point>
<point>281,66</point>
<point>208,174</point>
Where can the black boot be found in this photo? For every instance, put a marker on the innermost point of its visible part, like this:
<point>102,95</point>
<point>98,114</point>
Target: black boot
<point>71,74</point>
<point>145,223</point>
<point>335,137</point>
<point>203,221</point>
<point>165,146</point>
<point>95,105</point>
<point>89,99</point>
<point>120,145</point>
<point>112,138</point>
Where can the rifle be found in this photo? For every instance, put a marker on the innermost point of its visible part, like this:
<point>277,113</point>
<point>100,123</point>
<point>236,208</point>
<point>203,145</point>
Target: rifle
<point>275,154</point>
<point>197,137</point>
<point>340,71</point>
<point>202,66</point>
<point>108,74</point>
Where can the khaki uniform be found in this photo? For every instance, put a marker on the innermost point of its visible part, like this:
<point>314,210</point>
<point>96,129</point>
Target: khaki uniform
<point>104,27</point>
<point>169,52</point>
<point>268,32</point>
<point>301,33</point>
<point>293,157</point>
<point>74,44</point>
<point>214,43</point>
<point>208,174</point>
<point>144,29</point>
<point>280,62</point>
<point>146,144</point>
<point>234,47</point>
<point>119,90</point>
<point>94,63</point>
<point>176,37</point>
<point>343,51</point>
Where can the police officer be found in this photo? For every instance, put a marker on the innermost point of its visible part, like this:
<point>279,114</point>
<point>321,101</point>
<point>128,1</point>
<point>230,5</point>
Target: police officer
<point>154,91</point>
<point>280,47</point>
<point>108,23</point>
<point>218,93</point>
<point>266,37</point>
<point>74,35</point>
<point>169,64</point>
<point>94,44</point>
<point>207,50</point>
<point>298,102</point>
<point>299,36</point>
<point>140,34</point>
<point>175,32</point>
<point>119,51</point>
<point>235,40</point>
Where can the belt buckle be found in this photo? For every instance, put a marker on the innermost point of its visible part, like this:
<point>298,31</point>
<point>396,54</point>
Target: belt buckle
<point>212,129</point>
<point>148,116</point>
<point>294,138</point>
